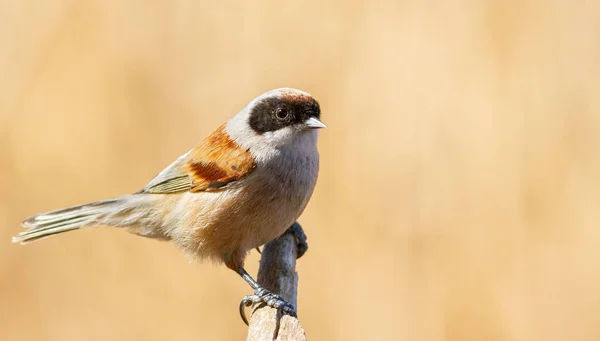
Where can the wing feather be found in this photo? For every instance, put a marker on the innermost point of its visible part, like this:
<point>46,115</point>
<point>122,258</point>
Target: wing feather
<point>215,163</point>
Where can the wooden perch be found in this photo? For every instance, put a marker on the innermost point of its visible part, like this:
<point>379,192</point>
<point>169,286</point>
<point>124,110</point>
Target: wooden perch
<point>277,273</point>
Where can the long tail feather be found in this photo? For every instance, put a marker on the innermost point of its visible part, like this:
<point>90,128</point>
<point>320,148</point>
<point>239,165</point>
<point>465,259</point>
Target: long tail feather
<point>65,219</point>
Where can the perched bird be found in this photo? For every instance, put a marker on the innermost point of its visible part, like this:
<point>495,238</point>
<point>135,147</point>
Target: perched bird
<point>243,186</point>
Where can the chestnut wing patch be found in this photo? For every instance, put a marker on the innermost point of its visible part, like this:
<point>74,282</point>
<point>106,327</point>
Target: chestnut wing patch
<point>218,167</point>
<point>213,164</point>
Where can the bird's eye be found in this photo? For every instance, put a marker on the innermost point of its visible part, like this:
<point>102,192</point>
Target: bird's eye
<point>281,113</point>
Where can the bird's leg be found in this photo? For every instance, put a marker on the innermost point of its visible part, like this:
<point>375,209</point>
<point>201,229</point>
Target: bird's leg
<point>262,295</point>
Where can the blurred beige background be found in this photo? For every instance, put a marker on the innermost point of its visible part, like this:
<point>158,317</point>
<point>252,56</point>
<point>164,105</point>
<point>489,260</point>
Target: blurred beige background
<point>460,177</point>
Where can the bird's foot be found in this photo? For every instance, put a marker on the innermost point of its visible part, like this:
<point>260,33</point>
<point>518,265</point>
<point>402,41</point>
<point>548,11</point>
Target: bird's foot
<point>297,231</point>
<point>265,297</point>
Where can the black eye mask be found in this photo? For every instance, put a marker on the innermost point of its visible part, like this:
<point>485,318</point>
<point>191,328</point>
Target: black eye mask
<point>272,114</point>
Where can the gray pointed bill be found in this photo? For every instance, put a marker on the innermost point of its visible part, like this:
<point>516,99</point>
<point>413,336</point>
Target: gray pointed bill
<point>314,123</point>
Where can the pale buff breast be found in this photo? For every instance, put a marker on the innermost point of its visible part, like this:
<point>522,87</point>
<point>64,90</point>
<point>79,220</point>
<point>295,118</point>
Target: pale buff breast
<point>227,224</point>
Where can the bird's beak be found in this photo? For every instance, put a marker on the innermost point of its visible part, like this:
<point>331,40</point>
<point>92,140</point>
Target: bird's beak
<point>314,123</point>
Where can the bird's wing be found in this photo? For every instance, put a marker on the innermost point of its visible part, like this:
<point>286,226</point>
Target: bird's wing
<point>216,162</point>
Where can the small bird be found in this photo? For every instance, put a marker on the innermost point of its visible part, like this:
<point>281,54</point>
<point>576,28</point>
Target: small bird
<point>242,187</point>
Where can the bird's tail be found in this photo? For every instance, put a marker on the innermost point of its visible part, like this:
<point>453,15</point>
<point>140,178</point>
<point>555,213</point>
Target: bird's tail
<point>105,212</point>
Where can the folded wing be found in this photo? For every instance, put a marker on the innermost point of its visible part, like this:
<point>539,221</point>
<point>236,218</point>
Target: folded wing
<point>215,163</point>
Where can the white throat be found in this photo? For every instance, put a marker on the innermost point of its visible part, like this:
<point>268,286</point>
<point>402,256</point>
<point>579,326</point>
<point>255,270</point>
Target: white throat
<point>264,147</point>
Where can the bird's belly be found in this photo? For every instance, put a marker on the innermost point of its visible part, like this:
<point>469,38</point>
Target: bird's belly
<point>267,210</point>
<point>219,224</point>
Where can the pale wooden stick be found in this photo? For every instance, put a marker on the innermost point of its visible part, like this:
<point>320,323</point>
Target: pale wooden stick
<point>277,273</point>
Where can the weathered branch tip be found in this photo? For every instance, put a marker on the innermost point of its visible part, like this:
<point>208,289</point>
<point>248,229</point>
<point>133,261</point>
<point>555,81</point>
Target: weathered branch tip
<point>277,273</point>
